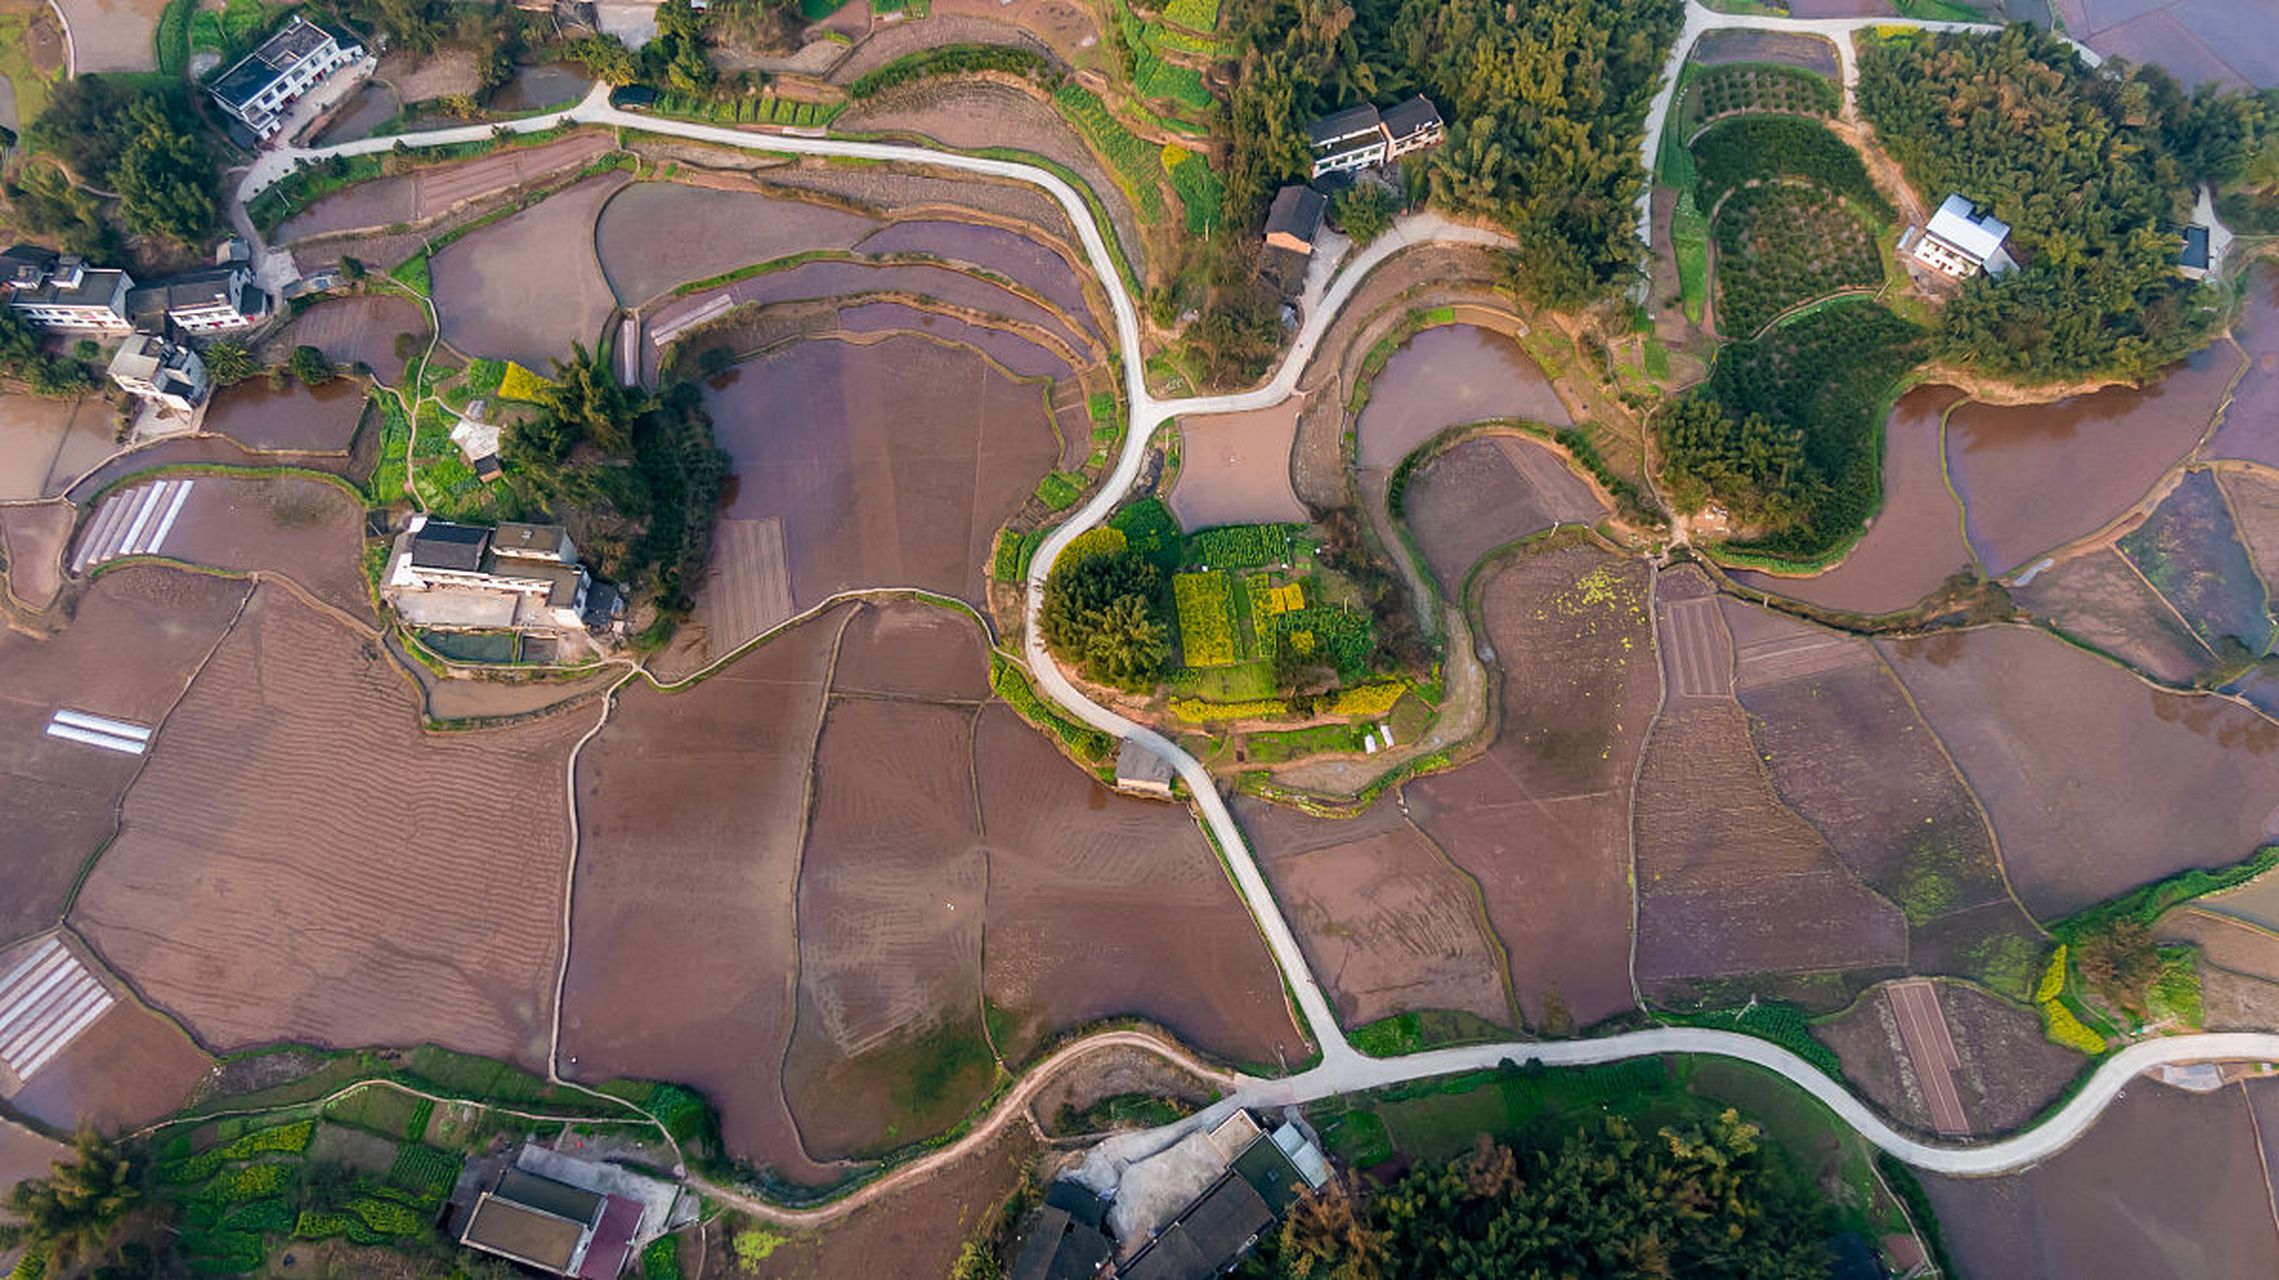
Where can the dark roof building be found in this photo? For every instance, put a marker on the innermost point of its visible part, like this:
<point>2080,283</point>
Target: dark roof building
<point>1412,126</point>
<point>1058,1247</point>
<point>212,300</point>
<point>1295,219</point>
<point>1209,1237</point>
<point>2193,262</point>
<point>1350,139</point>
<point>553,1226</point>
<point>440,544</point>
<point>60,291</point>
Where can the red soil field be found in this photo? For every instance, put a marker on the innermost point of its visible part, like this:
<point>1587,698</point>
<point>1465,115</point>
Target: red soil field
<point>881,481</point>
<point>892,888</point>
<point>1813,53</point>
<point>310,531</point>
<point>2166,1184</point>
<point>1234,468</point>
<point>2100,600</point>
<point>712,232</point>
<point>745,591</point>
<point>1387,923</point>
<point>128,653</point>
<point>1847,753</point>
<point>1007,253</point>
<point>32,538</point>
<point>293,783</point>
<point>1104,905</point>
<point>1730,881</point>
<point>360,329</point>
<point>1443,376</point>
<point>1915,542</point>
<point>1485,493</point>
<point>683,957</point>
<point>1021,356</point>
<point>2237,945</point>
<point>2062,747</point>
<point>2250,429</point>
<point>2009,1070</point>
<point>832,278</point>
<point>24,1154</point>
<point>432,192</point>
<point>130,1067</point>
<point>2034,477</point>
<point>291,419</point>
<point>200,451</point>
<point>1541,820</point>
<point>526,288</point>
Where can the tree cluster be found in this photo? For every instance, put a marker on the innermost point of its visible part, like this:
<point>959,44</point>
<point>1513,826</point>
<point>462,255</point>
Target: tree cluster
<point>21,358</point>
<point>1545,105</point>
<point>2091,170</point>
<point>71,1215</point>
<point>1103,611</point>
<point>649,460</point>
<point>128,136</point>
<point>1610,1202</point>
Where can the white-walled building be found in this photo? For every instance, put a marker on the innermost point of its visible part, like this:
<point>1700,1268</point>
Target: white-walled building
<point>171,374</point>
<point>60,291</point>
<point>288,64</point>
<point>1962,240</point>
<point>523,576</point>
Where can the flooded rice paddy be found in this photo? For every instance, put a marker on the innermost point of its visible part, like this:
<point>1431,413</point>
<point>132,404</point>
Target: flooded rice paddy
<point>46,445</point>
<point>289,419</point>
<point>526,288</point>
<point>2103,452</point>
<point>371,106</point>
<point>712,231</point>
<point>1016,354</point>
<point>359,330</point>
<point>1234,468</point>
<point>1444,376</point>
<point>1485,493</point>
<point>2250,430</point>
<point>995,249</point>
<point>535,88</point>
<point>1916,541</point>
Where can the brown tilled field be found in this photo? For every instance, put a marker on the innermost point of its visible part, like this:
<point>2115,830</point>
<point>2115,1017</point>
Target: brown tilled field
<point>526,288</point>
<point>128,653</point>
<point>299,861</point>
<point>713,231</point>
<point>2253,497</point>
<point>130,1067</point>
<point>683,958</point>
<point>359,330</point>
<point>1388,925</point>
<point>897,481</point>
<point>2062,747</point>
<point>916,1231</point>
<point>1103,905</point>
<point>46,444</point>
<point>1010,254</point>
<point>1847,753</point>
<point>311,531</point>
<point>2166,1184</point>
<point>2009,1070</point>
<point>1487,492</point>
<point>888,1044</point>
<point>1730,881</point>
<point>1916,541</point>
<point>1542,820</point>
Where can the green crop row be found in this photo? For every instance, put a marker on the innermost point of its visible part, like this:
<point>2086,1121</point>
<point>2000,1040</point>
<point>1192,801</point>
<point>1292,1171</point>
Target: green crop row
<point>1334,634</point>
<point>948,60</point>
<point>762,109</point>
<point>283,1139</point>
<point>424,1171</point>
<point>1200,191</point>
<point>1243,546</point>
<point>1012,684</point>
<point>1134,162</point>
<point>1195,15</point>
<point>1783,1024</point>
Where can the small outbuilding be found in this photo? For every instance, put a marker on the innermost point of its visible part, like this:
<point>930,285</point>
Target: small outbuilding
<point>1141,771</point>
<point>1295,219</point>
<point>2192,263</point>
<point>1962,240</point>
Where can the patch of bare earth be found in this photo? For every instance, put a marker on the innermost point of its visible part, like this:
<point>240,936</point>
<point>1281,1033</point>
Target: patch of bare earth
<point>1485,493</point>
<point>1731,883</point>
<point>684,955</point>
<point>127,652</point>
<point>1387,923</point>
<point>1541,821</point>
<point>2009,1070</point>
<point>299,861</point>
<point>32,538</point>
<point>918,1230</point>
<point>526,288</point>
<point>310,531</point>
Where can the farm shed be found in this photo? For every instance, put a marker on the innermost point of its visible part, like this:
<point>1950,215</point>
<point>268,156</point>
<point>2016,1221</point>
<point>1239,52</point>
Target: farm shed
<point>1295,219</point>
<point>553,1226</point>
<point>1140,771</point>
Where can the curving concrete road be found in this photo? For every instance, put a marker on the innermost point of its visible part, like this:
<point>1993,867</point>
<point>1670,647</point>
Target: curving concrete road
<point>1342,1069</point>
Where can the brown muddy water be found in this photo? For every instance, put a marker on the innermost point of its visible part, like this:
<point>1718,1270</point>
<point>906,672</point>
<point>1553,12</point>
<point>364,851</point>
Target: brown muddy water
<point>536,88</point>
<point>292,419</point>
<point>1916,541</point>
<point>2250,428</point>
<point>1444,376</point>
<point>995,249</point>
<point>373,105</point>
<point>2035,477</point>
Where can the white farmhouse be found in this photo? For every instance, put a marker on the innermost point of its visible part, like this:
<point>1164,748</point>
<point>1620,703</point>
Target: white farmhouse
<point>288,64</point>
<point>1962,240</point>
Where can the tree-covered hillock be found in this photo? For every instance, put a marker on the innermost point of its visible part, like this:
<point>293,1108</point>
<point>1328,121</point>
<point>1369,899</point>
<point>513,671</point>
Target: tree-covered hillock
<point>1544,104</point>
<point>2091,170</point>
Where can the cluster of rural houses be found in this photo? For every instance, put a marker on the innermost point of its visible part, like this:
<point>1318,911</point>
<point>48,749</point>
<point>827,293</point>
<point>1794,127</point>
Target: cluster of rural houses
<point>516,577</point>
<point>1189,1212</point>
<point>62,293</point>
<point>1344,143</point>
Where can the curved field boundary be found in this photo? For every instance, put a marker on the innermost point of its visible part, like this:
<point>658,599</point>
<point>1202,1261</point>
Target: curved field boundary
<point>1342,1068</point>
